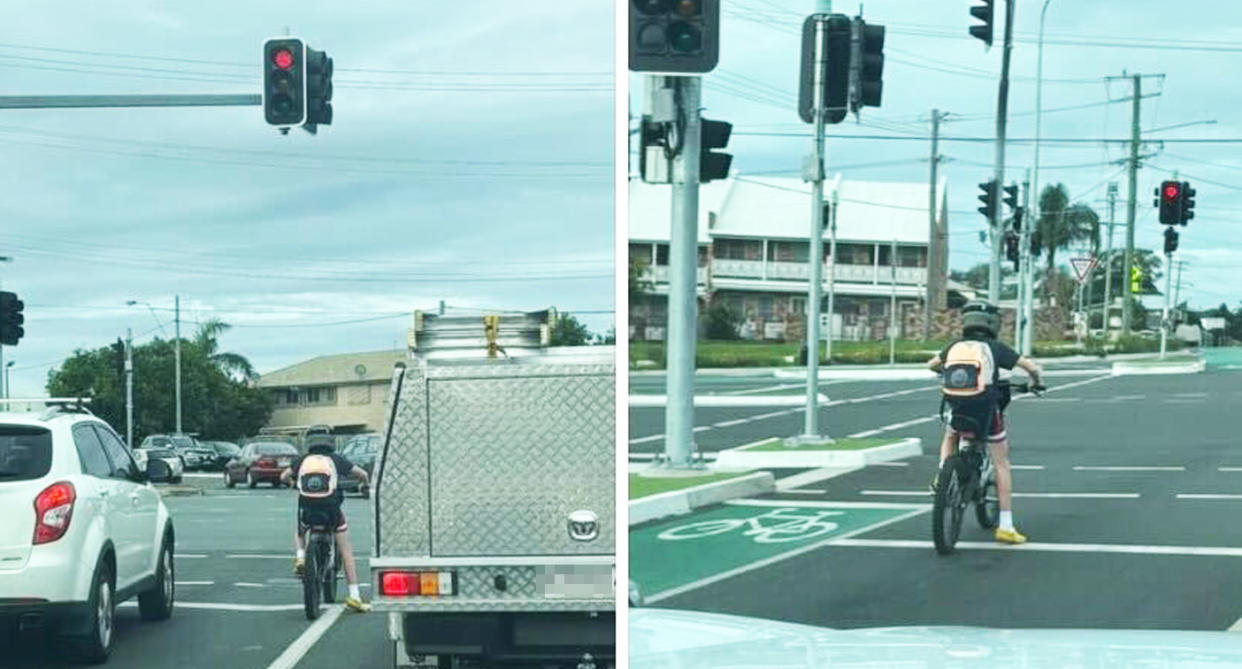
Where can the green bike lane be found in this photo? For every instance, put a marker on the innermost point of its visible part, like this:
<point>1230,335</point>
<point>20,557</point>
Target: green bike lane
<point>676,555</point>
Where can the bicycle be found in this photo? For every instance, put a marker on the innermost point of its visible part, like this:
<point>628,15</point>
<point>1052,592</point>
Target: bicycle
<point>322,570</point>
<point>966,478</point>
<point>791,526</point>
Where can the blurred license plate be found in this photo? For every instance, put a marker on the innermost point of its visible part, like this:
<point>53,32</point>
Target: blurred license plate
<point>284,462</point>
<point>584,581</point>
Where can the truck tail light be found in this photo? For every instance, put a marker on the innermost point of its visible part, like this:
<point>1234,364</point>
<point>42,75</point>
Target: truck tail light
<point>53,510</point>
<point>418,583</point>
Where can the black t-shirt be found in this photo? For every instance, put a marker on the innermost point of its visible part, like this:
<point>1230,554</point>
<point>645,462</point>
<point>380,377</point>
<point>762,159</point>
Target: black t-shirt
<point>343,467</point>
<point>1002,355</point>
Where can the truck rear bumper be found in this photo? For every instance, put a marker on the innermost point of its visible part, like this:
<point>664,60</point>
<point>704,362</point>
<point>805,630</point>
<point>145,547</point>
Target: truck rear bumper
<point>507,637</point>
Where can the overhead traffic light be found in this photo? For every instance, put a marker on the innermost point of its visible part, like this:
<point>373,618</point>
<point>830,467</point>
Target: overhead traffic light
<point>284,81</point>
<point>1170,240</point>
<point>1011,250</point>
<point>867,58</point>
<point>983,13</point>
<point>11,319</point>
<point>674,36</point>
<point>1169,200</point>
<point>714,165</point>
<point>827,49</point>
<point>318,89</point>
<point>1188,202</point>
<point>1011,196</point>
<point>988,198</point>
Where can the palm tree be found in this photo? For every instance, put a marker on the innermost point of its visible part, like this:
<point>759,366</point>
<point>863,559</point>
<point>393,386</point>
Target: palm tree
<point>207,341</point>
<point>1060,225</point>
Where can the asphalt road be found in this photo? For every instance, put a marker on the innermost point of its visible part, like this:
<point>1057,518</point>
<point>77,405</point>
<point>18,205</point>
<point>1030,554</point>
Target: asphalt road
<point>1136,484</point>
<point>238,604</point>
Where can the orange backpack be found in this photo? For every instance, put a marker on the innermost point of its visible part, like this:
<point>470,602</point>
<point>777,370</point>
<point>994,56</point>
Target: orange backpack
<point>968,369</point>
<point>317,477</point>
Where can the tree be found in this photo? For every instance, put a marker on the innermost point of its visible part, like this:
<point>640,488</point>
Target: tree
<point>568,331</point>
<point>640,279</point>
<point>215,404</point>
<point>206,339</point>
<point>722,323</point>
<point>1059,226</point>
<point>977,277</point>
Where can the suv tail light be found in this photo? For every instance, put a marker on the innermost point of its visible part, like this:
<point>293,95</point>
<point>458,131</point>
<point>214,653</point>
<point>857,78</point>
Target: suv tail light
<point>417,583</point>
<point>265,462</point>
<point>53,510</point>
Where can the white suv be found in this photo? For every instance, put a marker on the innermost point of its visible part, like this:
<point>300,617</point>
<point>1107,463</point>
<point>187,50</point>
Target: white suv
<point>82,530</point>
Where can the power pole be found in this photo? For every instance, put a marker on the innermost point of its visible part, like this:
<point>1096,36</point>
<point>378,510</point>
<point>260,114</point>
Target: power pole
<point>1002,112</point>
<point>936,236</point>
<point>892,305</point>
<point>177,357</point>
<point>683,274</point>
<point>1026,288</point>
<point>1177,292</point>
<point>1136,109</point>
<point>1108,257</point>
<point>129,388</point>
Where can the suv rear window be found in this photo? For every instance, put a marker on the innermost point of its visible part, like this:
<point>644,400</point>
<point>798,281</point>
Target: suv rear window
<point>25,452</point>
<point>276,449</point>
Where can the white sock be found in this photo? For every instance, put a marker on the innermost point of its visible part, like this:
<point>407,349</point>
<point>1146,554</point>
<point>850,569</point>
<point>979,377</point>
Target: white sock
<point>353,591</point>
<point>301,554</point>
<point>1006,520</point>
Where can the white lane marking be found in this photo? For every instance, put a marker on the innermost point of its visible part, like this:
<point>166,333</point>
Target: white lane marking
<point>1034,467</point>
<point>1058,400</point>
<point>1129,469</point>
<point>1212,551</point>
<point>215,606</point>
<point>1229,469</point>
<point>194,583</point>
<point>895,426</point>
<point>731,423</point>
<point>715,578</point>
<point>203,476</point>
<point>826,505</point>
<point>805,491</point>
<point>1198,401</point>
<point>1236,626</point>
<point>890,464</point>
<point>302,645</point>
<point>702,428</point>
<point>1207,496</point>
<point>1189,395</point>
<point>189,556</point>
<point>643,440</point>
<point>765,389</point>
<point>250,585</point>
<point>1034,495</point>
<point>1128,398</point>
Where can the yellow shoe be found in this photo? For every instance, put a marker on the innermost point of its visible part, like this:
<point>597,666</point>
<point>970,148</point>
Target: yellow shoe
<point>299,567</point>
<point>1010,536</point>
<point>357,605</point>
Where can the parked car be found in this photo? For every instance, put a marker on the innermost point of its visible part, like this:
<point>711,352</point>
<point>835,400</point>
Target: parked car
<point>192,456</point>
<point>168,455</point>
<point>221,453</point>
<point>259,462</point>
<point>362,451</point>
<point>83,530</point>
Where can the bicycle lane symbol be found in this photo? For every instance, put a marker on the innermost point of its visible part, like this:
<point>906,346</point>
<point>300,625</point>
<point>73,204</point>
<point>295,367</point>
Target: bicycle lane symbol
<point>671,553</point>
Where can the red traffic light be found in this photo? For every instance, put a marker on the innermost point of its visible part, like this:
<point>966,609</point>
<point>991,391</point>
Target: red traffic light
<point>283,58</point>
<point>1171,191</point>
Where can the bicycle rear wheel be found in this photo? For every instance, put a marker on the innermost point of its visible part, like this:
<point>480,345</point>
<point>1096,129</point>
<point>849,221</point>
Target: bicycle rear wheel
<point>311,582</point>
<point>332,564</point>
<point>947,506</point>
<point>987,504</point>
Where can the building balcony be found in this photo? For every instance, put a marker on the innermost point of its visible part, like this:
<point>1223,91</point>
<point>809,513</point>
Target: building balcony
<point>659,274</point>
<point>795,271</point>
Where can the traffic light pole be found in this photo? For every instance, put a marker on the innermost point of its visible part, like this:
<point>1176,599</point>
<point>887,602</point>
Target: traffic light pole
<point>177,355</point>
<point>936,239</point>
<point>1108,258</point>
<point>1168,293</point>
<point>1026,273</point>
<point>1002,113</point>
<point>683,276</point>
<point>95,101</point>
<point>815,282</point>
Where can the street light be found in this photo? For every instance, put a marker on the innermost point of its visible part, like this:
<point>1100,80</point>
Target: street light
<point>1039,112</point>
<point>176,346</point>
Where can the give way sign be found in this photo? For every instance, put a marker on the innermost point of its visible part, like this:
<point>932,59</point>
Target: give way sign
<point>1082,267</point>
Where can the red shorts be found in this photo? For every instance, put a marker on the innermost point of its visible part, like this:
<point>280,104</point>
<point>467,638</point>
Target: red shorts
<point>997,432</point>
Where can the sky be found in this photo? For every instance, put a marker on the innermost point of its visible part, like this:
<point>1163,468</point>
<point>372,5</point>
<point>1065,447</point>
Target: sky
<point>470,160</point>
<point>931,62</point>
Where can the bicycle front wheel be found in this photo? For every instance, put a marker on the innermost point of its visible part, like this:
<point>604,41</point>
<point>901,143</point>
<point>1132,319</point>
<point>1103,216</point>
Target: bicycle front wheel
<point>947,506</point>
<point>311,584</point>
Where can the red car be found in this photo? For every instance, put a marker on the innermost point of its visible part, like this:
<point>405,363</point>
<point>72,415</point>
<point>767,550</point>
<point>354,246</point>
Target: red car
<point>259,462</point>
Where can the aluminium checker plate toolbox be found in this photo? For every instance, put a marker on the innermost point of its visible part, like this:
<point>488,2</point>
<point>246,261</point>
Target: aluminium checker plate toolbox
<point>481,468</point>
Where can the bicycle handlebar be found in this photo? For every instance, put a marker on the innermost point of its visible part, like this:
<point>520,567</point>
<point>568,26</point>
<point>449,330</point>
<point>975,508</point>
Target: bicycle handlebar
<point>1025,388</point>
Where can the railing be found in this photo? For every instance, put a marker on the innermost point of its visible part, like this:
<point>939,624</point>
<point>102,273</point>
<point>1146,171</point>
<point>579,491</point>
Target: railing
<point>798,271</point>
<point>659,274</point>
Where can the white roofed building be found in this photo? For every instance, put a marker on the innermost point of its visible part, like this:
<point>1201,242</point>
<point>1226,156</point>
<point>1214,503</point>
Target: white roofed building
<point>754,253</point>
